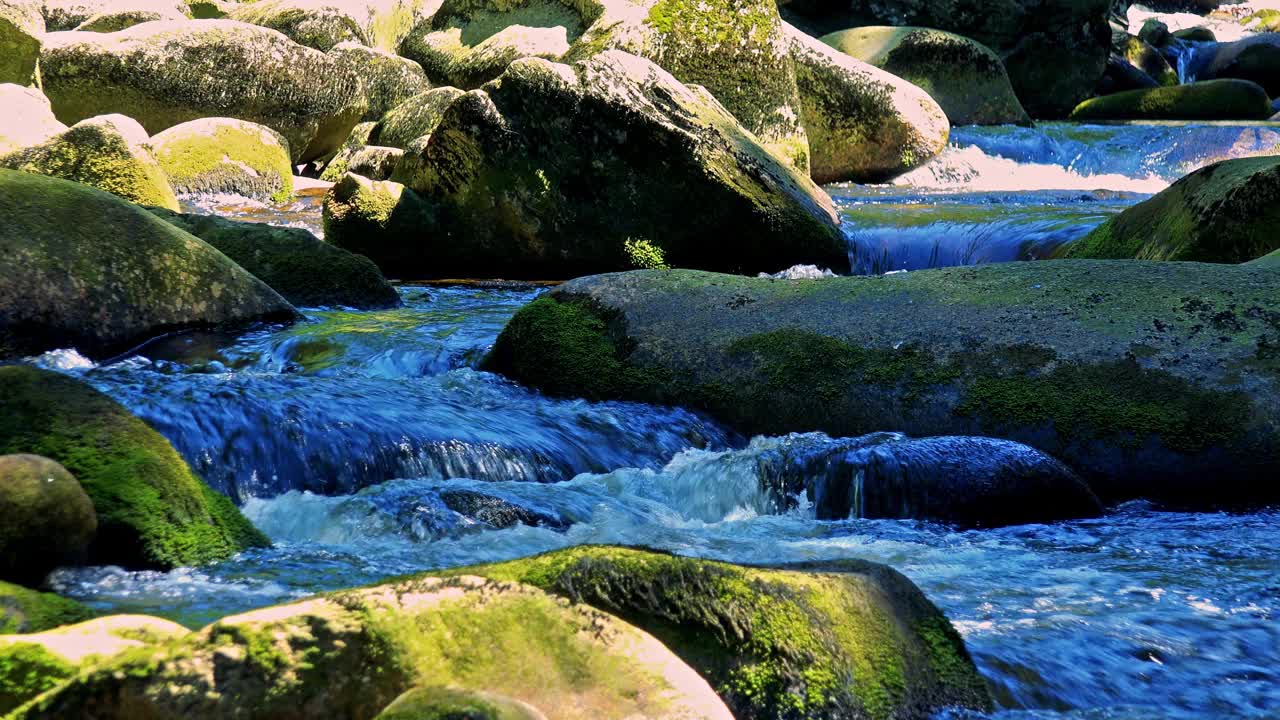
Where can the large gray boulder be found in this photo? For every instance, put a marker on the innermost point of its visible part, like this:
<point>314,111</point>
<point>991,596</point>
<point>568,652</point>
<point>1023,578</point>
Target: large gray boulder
<point>166,73</point>
<point>1147,378</point>
<point>388,78</point>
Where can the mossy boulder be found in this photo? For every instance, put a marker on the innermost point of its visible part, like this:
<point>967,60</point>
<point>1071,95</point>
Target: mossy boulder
<point>965,77</point>
<point>1147,59</point>
<point>351,654</point>
<point>33,664</point>
<point>414,118</point>
<point>1209,100</point>
<point>21,27</point>
<point>440,703</point>
<point>225,155</point>
<point>1255,58</point>
<point>158,73</point>
<point>46,520</point>
<point>388,78</point>
<point>1144,377</point>
<point>102,275</point>
<point>375,162</point>
<point>1227,212</point>
<point>111,153</point>
<point>864,124</point>
<point>1155,33</point>
<point>71,14</point>
<point>27,120</point>
<point>336,166</point>
<point>153,511</point>
<point>319,24</point>
<point>854,639</point>
<point>304,269</point>
<point>23,610</point>
<point>1195,34</point>
<point>384,221</point>
<point>552,171</point>
<point>113,20</point>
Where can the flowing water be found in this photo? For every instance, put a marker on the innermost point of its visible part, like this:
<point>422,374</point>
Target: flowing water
<point>369,444</point>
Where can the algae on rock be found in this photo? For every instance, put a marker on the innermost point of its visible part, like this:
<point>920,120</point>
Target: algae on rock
<point>225,155</point>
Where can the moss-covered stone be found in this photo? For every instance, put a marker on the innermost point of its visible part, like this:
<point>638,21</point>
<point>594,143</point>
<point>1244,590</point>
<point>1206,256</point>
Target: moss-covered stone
<point>375,162</point>
<point>158,73</point>
<point>1144,377</point>
<point>27,119</point>
<point>71,14</point>
<point>1148,60</point>
<point>351,654</point>
<point>102,275</point>
<point>1195,34</point>
<point>27,670</point>
<point>1227,212</point>
<point>46,520</point>
<point>319,24</point>
<point>388,78</point>
<point>336,166</point>
<point>965,77</point>
<point>1209,100</point>
<point>225,155</point>
<point>21,28</point>
<point>298,265</point>
<point>438,703</point>
<point>111,153</point>
<point>153,511</point>
<point>414,118</point>
<point>383,221</point>
<point>1255,58</point>
<point>113,20</point>
<point>23,610</point>
<point>863,124</point>
<point>842,642</point>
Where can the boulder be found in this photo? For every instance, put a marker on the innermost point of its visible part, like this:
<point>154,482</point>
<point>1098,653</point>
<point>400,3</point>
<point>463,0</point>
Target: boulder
<point>111,153</point>
<point>1227,212</point>
<point>964,76</point>
<point>438,702</point>
<point>1122,76</point>
<point>1209,100</point>
<point>858,640</point>
<point>307,271</point>
<point>1255,58</point>
<point>1194,34</point>
<point>113,20</point>
<point>864,125</point>
<point>1053,50</point>
<point>319,24</point>
<point>1146,378</point>
<point>27,118</point>
<point>62,15</point>
<point>351,654</point>
<point>551,170</point>
<point>21,27</point>
<point>102,275</point>
<point>388,78</point>
<point>1148,60</point>
<point>1270,260</point>
<point>225,155</point>
<point>159,74</point>
<point>1155,33</point>
<point>27,611</point>
<point>153,511</point>
<point>414,118</point>
<point>336,166</point>
<point>46,520</point>
<point>374,161</point>
<point>383,221</point>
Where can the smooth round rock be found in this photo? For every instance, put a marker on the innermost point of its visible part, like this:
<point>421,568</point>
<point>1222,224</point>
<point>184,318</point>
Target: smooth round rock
<point>46,519</point>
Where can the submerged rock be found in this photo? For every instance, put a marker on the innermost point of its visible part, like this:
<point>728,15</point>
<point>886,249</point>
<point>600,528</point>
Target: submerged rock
<point>1146,378</point>
<point>27,119</point>
<point>351,654</point>
<point>860,641</point>
<point>102,275</point>
<point>1227,212</point>
<point>21,28</point>
<point>27,611</point>
<point>46,520</point>
<point>225,155</point>
<point>111,153</point>
<point>158,73</point>
<point>1209,100</point>
<point>388,78</point>
<point>964,76</point>
<point>153,511</point>
<point>307,271</point>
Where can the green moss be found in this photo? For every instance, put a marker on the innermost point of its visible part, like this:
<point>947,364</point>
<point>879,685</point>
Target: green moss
<point>1209,100</point>
<point>222,155</point>
<point>26,670</point>
<point>28,611</point>
<point>645,255</point>
<point>152,510</point>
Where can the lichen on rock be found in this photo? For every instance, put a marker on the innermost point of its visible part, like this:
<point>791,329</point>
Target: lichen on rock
<point>225,155</point>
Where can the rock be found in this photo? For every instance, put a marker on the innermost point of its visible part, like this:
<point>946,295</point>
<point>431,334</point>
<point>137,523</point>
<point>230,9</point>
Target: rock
<point>498,513</point>
<point>225,155</point>
<point>1224,213</point>
<point>1155,33</point>
<point>414,118</point>
<point>964,481</point>
<point>319,24</point>
<point>46,520</point>
<point>1053,50</point>
<point>111,153</point>
<point>1122,76</point>
<point>351,654</point>
<point>1209,100</point>
<point>1255,58</point>
<point>864,124</point>
<point>33,664</point>
<point>111,21</point>
<point>1148,60</point>
<point>62,15</point>
<point>551,170</point>
<point>336,166</point>
<point>157,73</point>
<point>1114,367</point>
<point>28,611</point>
<point>388,78</point>
<point>307,271</point>
<point>211,9</point>
<point>153,512</point>
<point>21,28</point>
<point>27,118</point>
<point>102,275</point>
<point>383,221</point>
<point>437,702</point>
<point>1195,34</point>
<point>964,76</point>
<point>374,161</point>
<point>1270,260</point>
<point>861,641</point>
